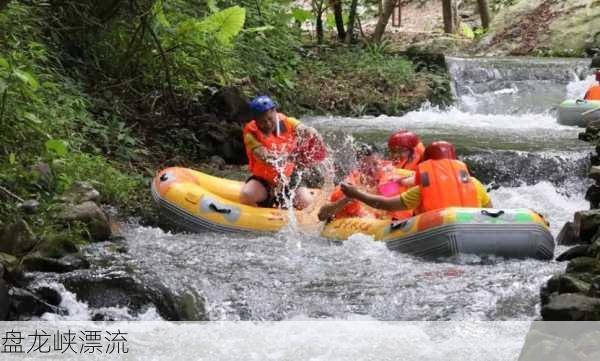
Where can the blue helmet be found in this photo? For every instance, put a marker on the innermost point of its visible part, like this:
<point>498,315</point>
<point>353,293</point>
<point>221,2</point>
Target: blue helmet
<point>261,104</point>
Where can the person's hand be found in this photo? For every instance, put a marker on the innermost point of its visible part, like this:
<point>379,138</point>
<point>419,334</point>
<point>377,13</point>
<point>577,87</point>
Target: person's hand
<point>349,190</point>
<point>407,181</point>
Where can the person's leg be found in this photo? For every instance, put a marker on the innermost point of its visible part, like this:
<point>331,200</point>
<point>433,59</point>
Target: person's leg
<point>253,193</point>
<point>303,198</point>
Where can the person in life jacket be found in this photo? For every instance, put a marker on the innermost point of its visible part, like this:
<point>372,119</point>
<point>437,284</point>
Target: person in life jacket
<point>406,149</point>
<point>442,181</point>
<point>593,93</point>
<point>371,171</point>
<point>271,140</point>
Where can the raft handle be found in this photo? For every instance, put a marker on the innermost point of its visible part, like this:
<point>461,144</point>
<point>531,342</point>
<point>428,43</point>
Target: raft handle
<point>213,207</point>
<point>580,101</point>
<point>497,214</point>
<point>400,224</point>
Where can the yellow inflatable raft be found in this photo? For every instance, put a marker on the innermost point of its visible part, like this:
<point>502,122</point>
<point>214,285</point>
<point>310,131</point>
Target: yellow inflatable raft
<point>197,202</point>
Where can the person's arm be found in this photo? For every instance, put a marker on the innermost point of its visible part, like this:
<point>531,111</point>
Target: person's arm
<point>384,203</point>
<point>259,150</point>
<point>330,209</point>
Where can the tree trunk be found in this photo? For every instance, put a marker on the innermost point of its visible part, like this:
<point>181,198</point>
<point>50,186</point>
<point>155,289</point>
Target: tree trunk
<point>351,20</point>
<point>447,13</point>
<point>484,12</point>
<point>318,7</point>
<point>384,18</point>
<point>339,18</point>
<point>319,28</point>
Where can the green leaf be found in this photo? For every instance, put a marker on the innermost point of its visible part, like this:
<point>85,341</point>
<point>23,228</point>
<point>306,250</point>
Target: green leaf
<point>260,29</point>
<point>57,147</point>
<point>27,78</point>
<point>3,86</point>
<point>4,63</point>
<point>466,31</point>
<point>225,24</point>
<point>32,117</point>
<point>12,158</point>
<point>301,15</point>
<point>159,15</point>
<point>212,6</point>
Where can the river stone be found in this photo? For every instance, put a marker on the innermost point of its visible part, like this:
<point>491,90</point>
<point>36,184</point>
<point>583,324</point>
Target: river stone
<point>567,235</point>
<point>8,261</point>
<point>48,295</point>
<point>57,247</point>
<point>24,305</point>
<point>593,196</point>
<point>595,172</point>
<point>17,238</point>
<point>217,161</point>
<point>30,206</point>
<point>571,307</point>
<point>586,224</point>
<point>80,192</point>
<point>573,252</point>
<point>89,213</point>
<point>584,265</point>
<point>595,287</point>
<point>117,289</point>
<point>35,262</point>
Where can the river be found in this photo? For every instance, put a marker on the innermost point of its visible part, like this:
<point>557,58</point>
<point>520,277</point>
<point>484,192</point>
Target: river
<point>504,127</point>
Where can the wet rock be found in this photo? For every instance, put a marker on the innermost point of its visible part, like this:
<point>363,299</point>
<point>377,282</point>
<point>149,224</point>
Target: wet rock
<point>113,289</point>
<point>89,213</point>
<point>8,262</point>
<point>594,172</point>
<point>571,307</point>
<point>231,105</point>
<point>217,161</point>
<point>30,206</point>
<point>586,224</point>
<point>561,283</point>
<point>57,247</point>
<point>17,238</point>
<point>567,235</point>
<point>48,295</point>
<point>24,305</point>
<point>584,265</point>
<point>38,263</point>
<point>593,196</point>
<point>80,192</point>
<point>573,252</point>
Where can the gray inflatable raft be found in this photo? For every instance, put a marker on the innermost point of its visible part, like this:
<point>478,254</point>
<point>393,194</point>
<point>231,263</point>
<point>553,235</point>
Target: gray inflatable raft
<point>509,233</point>
<point>570,112</point>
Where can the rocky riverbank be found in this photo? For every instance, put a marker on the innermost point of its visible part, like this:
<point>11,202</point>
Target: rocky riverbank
<point>575,294</point>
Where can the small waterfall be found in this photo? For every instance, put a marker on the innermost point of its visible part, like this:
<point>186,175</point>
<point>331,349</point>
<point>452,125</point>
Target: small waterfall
<point>513,85</point>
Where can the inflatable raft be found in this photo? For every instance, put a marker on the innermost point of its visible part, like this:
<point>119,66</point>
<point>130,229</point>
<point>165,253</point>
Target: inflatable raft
<point>198,202</point>
<point>570,112</point>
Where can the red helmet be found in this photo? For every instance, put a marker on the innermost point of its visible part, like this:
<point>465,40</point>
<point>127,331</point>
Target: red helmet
<point>440,150</point>
<point>403,139</point>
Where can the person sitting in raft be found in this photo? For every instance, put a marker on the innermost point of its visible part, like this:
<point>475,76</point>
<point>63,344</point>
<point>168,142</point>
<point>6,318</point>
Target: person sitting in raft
<point>406,150</point>
<point>593,93</point>
<point>442,181</point>
<point>270,140</point>
<point>372,171</point>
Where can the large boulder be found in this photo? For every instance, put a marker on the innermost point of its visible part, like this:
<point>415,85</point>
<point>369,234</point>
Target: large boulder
<point>593,196</point>
<point>573,252</point>
<point>36,262</point>
<point>91,215</point>
<point>17,238</point>
<point>114,289</point>
<point>230,105</point>
<point>80,192</point>
<point>571,307</point>
<point>24,305</point>
<point>568,235</point>
<point>587,224</point>
<point>584,265</point>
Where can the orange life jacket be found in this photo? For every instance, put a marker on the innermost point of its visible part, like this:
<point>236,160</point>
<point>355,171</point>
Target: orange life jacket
<point>593,93</point>
<point>445,183</point>
<point>283,144</point>
<point>411,164</point>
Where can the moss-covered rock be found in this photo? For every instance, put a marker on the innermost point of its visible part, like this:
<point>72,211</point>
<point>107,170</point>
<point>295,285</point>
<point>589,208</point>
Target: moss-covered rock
<point>17,238</point>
